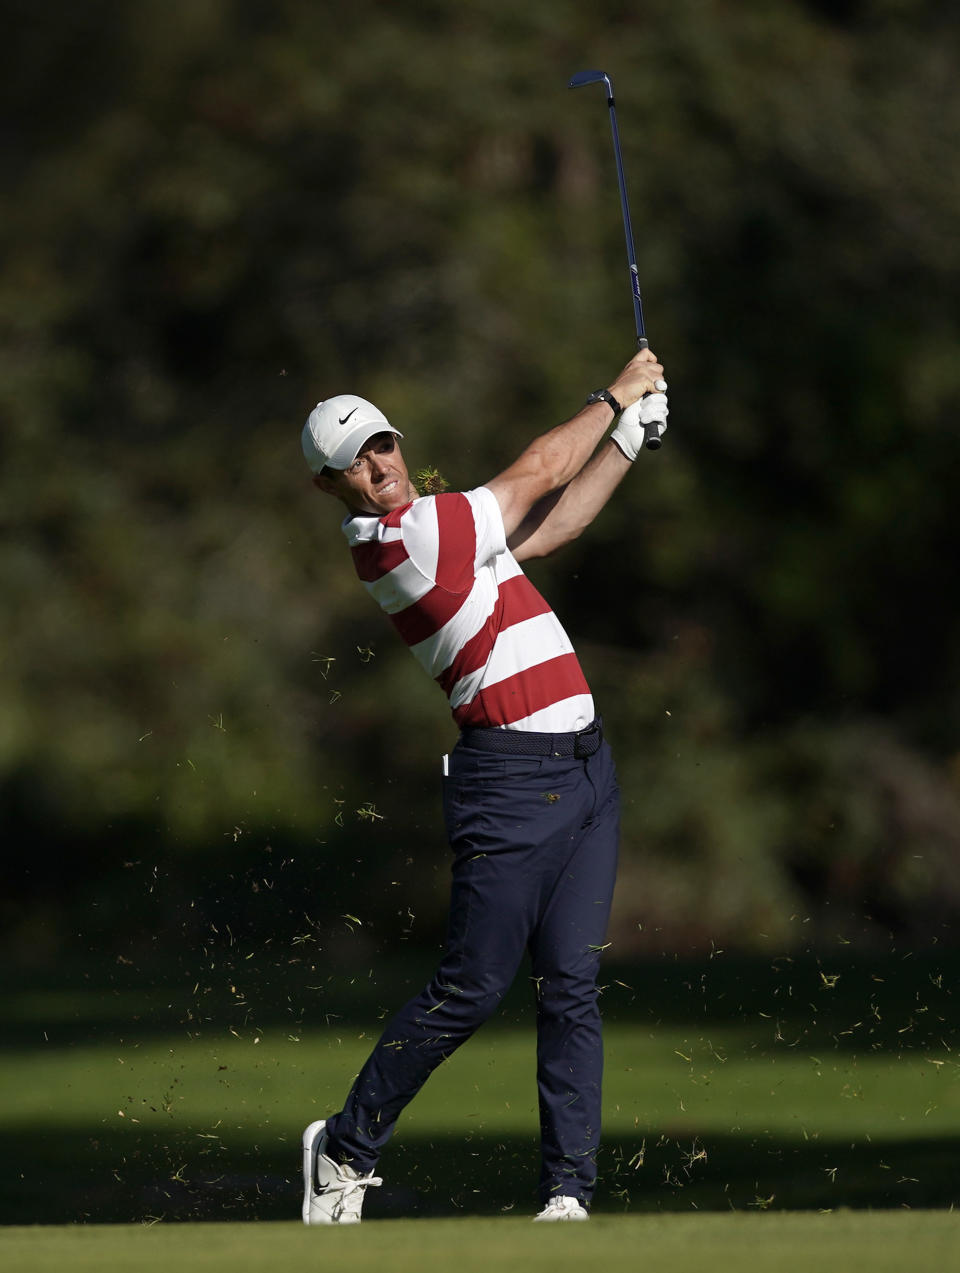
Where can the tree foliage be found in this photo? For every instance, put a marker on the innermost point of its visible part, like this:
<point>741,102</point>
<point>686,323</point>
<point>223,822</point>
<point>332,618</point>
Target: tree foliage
<point>217,212</point>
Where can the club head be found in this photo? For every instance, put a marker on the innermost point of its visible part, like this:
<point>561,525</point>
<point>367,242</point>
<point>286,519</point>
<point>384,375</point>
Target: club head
<point>591,77</point>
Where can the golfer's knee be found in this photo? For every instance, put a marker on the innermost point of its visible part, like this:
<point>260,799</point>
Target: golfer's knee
<point>466,1000</point>
<point>567,997</point>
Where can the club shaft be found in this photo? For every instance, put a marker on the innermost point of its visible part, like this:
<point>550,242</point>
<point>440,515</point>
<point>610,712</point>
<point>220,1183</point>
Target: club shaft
<point>627,228</point>
<point>655,429</point>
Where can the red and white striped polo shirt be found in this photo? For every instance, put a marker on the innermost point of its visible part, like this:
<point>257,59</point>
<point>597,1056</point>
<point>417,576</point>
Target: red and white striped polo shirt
<point>441,569</point>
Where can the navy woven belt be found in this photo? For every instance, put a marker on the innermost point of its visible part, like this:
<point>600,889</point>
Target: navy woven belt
<point>520,742</point>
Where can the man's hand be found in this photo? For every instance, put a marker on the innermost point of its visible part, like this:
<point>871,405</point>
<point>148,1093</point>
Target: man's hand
<point>554,459</point>
<point>642,374</point>
<point>649,412</point>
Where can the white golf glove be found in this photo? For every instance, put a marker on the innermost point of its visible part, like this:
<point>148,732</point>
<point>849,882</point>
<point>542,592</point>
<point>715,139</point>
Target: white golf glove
<point>646,416</point>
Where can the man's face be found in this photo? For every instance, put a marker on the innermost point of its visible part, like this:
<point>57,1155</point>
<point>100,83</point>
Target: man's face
<point>376,482</point>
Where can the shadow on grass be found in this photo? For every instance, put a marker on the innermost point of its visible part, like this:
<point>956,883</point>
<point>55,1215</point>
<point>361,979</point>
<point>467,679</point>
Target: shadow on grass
<point>891,1001</point>
<point>75,1178</point>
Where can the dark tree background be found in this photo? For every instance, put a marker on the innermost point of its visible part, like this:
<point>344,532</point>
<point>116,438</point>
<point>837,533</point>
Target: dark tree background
<point>216,212</point>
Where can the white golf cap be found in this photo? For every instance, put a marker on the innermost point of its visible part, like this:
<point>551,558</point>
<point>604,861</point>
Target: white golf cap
<point>337,429</point>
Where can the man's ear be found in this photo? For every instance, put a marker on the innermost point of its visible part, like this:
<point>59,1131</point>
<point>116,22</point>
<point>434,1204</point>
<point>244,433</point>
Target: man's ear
<point>325,484</point>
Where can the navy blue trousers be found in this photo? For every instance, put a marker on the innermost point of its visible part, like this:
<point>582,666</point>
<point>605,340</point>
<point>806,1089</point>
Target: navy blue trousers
<point>534,843</point>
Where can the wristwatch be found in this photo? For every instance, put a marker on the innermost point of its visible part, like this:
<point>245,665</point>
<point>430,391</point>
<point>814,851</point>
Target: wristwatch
<point>604,395</point>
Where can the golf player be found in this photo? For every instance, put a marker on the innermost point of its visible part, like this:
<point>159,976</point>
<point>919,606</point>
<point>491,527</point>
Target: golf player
<point>530,797</point>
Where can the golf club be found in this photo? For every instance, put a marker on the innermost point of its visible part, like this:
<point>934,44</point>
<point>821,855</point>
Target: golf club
<point>653,441</point>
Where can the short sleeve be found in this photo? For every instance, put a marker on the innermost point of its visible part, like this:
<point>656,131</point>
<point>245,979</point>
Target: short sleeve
<point>491,536</point>
<point>450,537</point>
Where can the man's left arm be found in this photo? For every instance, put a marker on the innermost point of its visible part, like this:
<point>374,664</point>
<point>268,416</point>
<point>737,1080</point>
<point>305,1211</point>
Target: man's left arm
<point>563,515</point>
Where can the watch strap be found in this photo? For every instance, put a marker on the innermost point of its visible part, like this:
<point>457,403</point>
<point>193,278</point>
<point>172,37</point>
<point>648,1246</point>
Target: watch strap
<point>604,395</point>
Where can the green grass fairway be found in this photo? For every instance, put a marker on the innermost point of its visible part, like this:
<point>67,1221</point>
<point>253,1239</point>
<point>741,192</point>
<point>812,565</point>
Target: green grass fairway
<point>202,1129</point>
<point>839,1242</point>
<point>749,1089</point>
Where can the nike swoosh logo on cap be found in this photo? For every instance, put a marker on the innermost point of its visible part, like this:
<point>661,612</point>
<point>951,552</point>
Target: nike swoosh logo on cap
<point>348,415</point>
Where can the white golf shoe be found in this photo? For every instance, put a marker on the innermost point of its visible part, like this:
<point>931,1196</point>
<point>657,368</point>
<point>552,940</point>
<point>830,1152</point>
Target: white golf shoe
<point>332,1192</point>
<point>562,1208</point>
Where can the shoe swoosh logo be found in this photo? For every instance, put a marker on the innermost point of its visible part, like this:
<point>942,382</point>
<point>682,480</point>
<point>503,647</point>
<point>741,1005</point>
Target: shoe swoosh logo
<point>345,418</point>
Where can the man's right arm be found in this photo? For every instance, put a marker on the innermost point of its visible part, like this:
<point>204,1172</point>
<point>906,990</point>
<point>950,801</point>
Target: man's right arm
<point>556,457</point>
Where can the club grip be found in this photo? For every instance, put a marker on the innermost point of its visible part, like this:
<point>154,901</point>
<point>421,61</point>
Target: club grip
<point>653,440</point>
